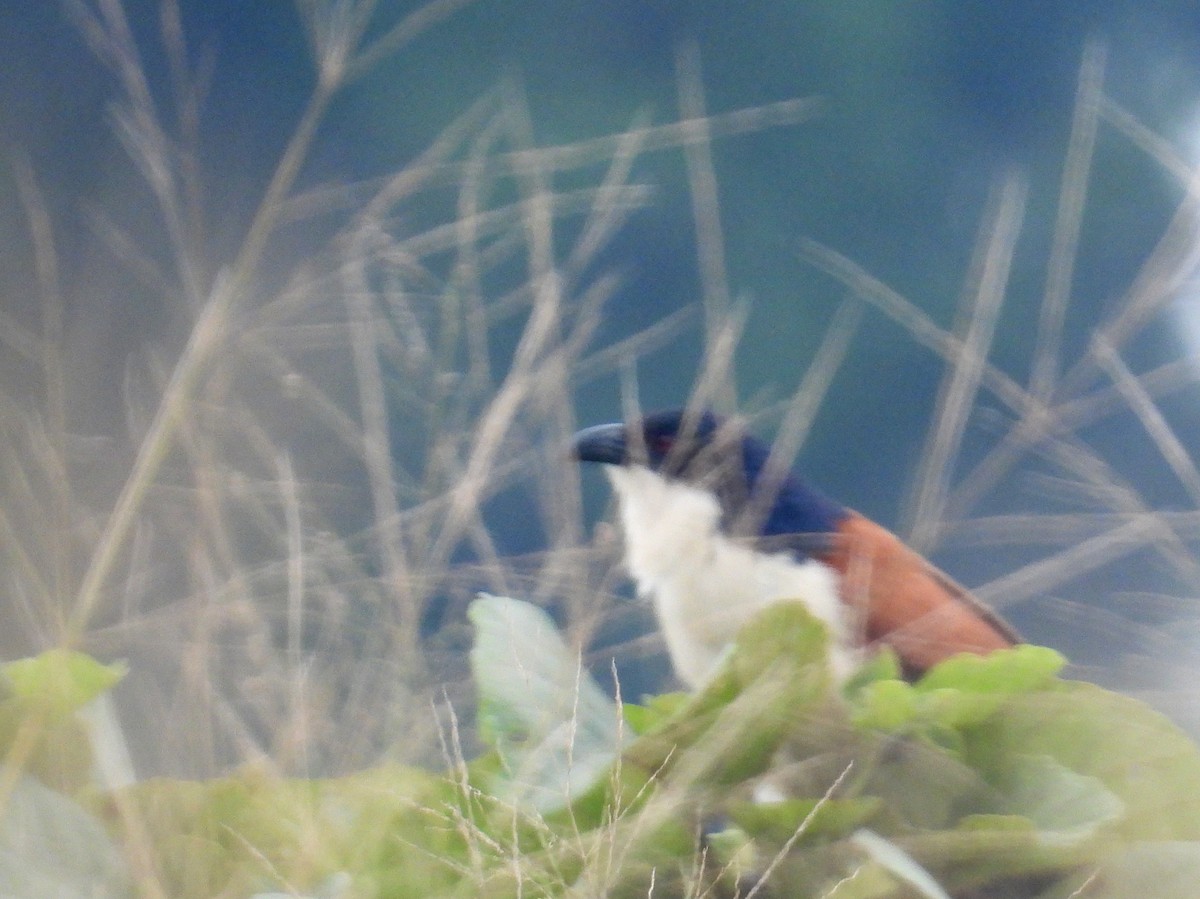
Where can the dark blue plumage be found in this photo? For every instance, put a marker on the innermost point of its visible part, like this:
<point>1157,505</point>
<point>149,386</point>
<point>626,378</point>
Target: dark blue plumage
<point>796,508</point>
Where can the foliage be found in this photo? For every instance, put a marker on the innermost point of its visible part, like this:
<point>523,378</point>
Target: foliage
<point>989,776</point>
<point>990,773</point>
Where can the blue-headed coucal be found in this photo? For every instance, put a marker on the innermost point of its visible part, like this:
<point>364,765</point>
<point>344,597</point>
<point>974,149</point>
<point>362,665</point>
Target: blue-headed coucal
<point>712,536</point>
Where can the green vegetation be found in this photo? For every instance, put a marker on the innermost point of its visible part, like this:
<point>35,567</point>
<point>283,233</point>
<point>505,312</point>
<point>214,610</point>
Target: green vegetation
<point>987,774</point>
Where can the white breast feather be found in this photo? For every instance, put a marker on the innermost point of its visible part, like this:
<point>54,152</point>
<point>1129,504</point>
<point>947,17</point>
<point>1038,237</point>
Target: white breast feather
<point>705,586</point>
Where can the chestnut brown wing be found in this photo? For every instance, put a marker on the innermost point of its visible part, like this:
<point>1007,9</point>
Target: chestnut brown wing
<point>906,602</point>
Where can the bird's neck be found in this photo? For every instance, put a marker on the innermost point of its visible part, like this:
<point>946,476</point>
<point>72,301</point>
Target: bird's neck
<point>800,509</point>
<point>790,506</point>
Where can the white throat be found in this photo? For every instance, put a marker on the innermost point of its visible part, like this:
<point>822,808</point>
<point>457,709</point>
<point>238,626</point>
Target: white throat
<point>704,585</point>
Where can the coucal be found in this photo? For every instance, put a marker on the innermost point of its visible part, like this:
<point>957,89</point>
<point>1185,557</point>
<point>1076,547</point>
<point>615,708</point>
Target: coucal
<point>712,536</point>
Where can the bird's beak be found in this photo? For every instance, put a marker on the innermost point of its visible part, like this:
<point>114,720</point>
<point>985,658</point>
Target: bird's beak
<point>601,443</point>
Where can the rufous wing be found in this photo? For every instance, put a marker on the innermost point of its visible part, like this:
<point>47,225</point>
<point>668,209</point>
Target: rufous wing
<point>906,602</point>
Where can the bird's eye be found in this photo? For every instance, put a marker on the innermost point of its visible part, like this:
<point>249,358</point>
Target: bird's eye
<point>661,444</point>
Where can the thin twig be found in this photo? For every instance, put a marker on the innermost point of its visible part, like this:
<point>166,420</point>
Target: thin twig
<point>974,332</point>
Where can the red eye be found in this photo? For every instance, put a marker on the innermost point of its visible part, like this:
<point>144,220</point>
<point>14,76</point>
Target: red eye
<point>661,444</point>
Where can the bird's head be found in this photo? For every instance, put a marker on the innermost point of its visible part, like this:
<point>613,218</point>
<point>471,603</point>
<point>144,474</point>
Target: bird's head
<point>717,455</point>
<point>674,443</point>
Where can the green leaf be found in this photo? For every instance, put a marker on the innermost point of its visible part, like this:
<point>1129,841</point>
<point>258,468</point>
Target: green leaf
<point>883,665</point>
<point>1020,669</point>
<point>887,705</point>
<point>1134,752</point>
<point>38,714</point>
<point>655,712</point>
<point>777,822</point>
<point>59,681</point>
<point>50,846</point>
<point>961,691</point>
<point>554,728</point>
<point>1065,806</point>
<point>993,823</point>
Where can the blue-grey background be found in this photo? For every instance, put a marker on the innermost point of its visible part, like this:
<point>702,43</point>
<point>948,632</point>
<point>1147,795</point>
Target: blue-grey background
<point>929,104</point>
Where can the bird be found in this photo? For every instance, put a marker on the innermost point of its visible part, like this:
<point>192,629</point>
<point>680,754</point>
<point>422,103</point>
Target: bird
<point>713,534</point>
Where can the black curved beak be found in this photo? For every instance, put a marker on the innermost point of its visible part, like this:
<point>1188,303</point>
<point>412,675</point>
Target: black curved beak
<point>601,443</point>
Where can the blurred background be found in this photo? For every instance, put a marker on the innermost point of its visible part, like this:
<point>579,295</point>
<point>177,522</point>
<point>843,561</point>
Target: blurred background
<point>976,220</point>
